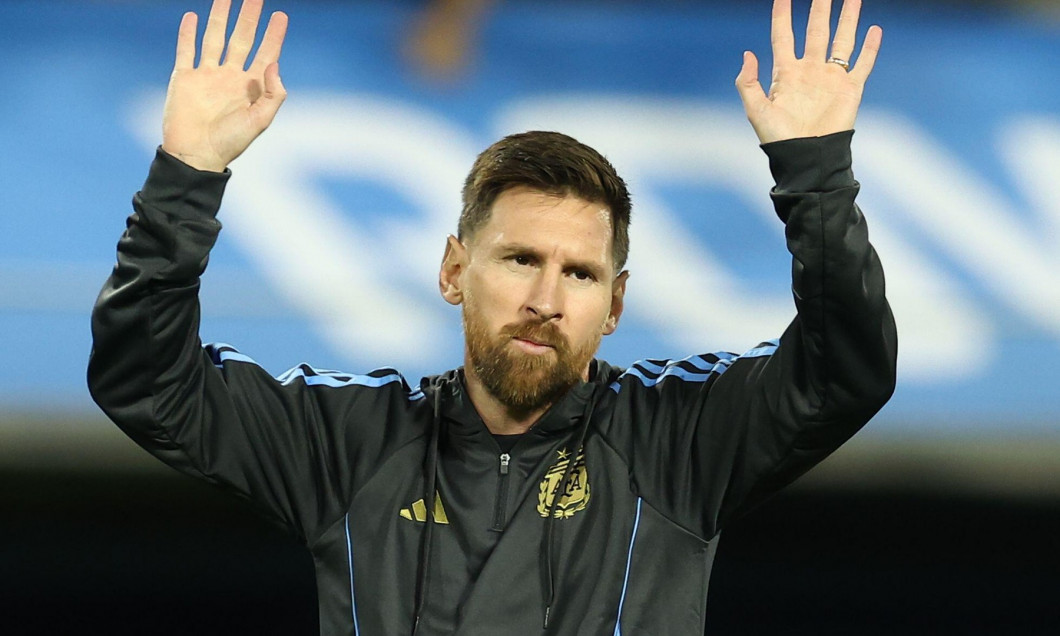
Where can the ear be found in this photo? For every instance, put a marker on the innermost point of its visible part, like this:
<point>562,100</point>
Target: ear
<point>618,294</point>
<point>454,262</point>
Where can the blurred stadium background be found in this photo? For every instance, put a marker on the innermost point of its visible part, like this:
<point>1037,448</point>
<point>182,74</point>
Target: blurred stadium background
<point>940,518</point>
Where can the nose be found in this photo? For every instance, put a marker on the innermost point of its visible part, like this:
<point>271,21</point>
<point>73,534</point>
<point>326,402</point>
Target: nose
<point>545,301</point>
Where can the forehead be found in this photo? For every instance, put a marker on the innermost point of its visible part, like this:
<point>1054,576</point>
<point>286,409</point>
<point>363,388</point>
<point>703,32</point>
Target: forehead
<point>524,215</point>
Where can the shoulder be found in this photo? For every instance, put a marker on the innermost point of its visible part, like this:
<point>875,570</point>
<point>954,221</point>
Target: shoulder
<point>695,369</point>
<point>387,380</point>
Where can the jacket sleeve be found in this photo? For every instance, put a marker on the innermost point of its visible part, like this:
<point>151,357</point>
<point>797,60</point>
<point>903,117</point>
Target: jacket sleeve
<point>294,446</point>
<point>711,435</point>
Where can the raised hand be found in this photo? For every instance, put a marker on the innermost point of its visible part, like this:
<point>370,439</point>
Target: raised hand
<point>214,111</point>
<point>814,95</point>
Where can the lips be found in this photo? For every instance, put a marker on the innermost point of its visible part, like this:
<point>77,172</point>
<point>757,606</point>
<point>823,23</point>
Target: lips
<point>531,347</point>
<point>535,342</point>
<point>537,338</point>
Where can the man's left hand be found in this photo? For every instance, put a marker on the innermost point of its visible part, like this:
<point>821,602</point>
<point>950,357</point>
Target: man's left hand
<point>815,95</point>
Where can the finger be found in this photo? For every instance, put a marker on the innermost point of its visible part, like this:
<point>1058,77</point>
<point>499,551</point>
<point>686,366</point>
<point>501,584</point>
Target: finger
<point>847,29</point>
<point>748,86</point>
<point>213,40</point>
<point>869,50</point>
<point>264,109</point>
<point>242,39</point>
<point>186,42</point>
<point>271,42</point>
<point>782,36</point>
<point>818,30</point>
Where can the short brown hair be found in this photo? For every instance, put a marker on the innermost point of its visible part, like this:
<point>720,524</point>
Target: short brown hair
<point>552,163</point>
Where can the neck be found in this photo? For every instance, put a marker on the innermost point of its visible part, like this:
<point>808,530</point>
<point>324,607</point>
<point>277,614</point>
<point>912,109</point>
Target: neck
<point>499,419</point>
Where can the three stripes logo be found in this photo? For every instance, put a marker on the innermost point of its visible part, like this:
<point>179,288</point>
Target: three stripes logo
<point>418,511</point>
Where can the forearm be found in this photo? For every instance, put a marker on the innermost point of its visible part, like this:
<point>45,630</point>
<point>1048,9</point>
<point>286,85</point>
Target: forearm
<point>847,345</point>
<point>145,322</point>
<point>771,418</point>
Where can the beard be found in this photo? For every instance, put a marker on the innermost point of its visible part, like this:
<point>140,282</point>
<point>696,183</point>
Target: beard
<point>524,382</point>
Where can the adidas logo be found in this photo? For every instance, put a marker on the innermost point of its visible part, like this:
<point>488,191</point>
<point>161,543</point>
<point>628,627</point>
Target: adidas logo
<point>418,511</point>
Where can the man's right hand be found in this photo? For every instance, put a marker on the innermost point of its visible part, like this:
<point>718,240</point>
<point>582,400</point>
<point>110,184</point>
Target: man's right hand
<point>215,111</point>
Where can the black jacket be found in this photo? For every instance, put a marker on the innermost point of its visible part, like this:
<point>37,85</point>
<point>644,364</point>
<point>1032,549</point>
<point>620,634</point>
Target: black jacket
<point>650,463</point>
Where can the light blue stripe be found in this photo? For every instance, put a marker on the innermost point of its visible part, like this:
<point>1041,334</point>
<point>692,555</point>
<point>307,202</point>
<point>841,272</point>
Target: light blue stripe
<point>671,368</point>
<point>694,360</point>
<point>299,370</point>
<point>764,350</point>
<point>319,377</point>
<point>349,553</point>
<point>346,380</point>
<point>629,562</point>
<point>330,380</point>
<point>225,356</point>
<point>235,355</point>
<point>676,372</point>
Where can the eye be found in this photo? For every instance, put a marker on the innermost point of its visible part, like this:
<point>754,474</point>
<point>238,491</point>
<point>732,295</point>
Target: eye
<point>523,260</point>
<point>583,276</point>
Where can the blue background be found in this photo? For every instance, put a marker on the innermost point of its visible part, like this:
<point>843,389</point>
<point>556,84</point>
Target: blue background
<point>75,76</point>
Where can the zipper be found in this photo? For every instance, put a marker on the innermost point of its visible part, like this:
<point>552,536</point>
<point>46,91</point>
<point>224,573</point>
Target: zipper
<point>500,510</point>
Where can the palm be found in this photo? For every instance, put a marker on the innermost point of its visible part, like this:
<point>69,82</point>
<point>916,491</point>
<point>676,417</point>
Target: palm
<point>209,109</point>
<point>809,97</point>
<point>213,112</point>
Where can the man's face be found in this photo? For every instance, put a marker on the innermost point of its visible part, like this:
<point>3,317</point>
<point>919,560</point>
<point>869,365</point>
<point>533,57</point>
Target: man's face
<point>538,288</point>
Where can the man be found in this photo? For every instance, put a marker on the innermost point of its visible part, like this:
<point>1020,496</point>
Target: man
<point>535,489</point>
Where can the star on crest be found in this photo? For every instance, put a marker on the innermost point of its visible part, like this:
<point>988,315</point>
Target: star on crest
<point>563,453</point>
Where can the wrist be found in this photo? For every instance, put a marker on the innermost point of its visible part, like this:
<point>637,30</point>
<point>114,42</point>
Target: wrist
<point>198,162</point>
<point>811,164</point>
<point>182,190</point>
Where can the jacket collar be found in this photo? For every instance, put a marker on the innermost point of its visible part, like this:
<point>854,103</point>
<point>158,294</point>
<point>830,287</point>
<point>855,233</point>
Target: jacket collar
<point>463,419</point>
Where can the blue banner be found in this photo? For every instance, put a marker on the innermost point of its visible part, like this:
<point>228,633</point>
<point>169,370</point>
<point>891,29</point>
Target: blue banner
<point>335,220</point>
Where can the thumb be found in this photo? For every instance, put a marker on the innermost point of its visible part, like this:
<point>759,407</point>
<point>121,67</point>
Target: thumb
<point>264,109</point>
<point>748,86</point>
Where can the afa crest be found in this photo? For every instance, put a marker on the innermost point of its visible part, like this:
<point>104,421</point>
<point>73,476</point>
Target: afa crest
<point>575,496</point>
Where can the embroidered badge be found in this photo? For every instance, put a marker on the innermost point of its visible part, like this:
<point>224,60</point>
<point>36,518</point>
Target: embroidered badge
<point>575,496</point>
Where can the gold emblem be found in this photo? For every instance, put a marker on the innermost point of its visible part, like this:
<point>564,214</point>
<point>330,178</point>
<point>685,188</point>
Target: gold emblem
<point>418,511</point>
<point>575,497</point>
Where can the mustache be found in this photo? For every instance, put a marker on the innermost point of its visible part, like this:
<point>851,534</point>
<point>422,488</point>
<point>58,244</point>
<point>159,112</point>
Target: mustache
<point>546,333</point>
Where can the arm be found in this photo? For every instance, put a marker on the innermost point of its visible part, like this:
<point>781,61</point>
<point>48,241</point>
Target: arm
<point>286,445</point>
<point>716,434</point>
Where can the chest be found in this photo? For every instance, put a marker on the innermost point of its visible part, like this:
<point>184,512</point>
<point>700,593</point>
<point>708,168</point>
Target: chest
<point>492,531</point>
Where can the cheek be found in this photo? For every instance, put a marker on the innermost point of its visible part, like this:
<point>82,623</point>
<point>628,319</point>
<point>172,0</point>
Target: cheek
<point>592,316</point>
<point>494,296</point>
